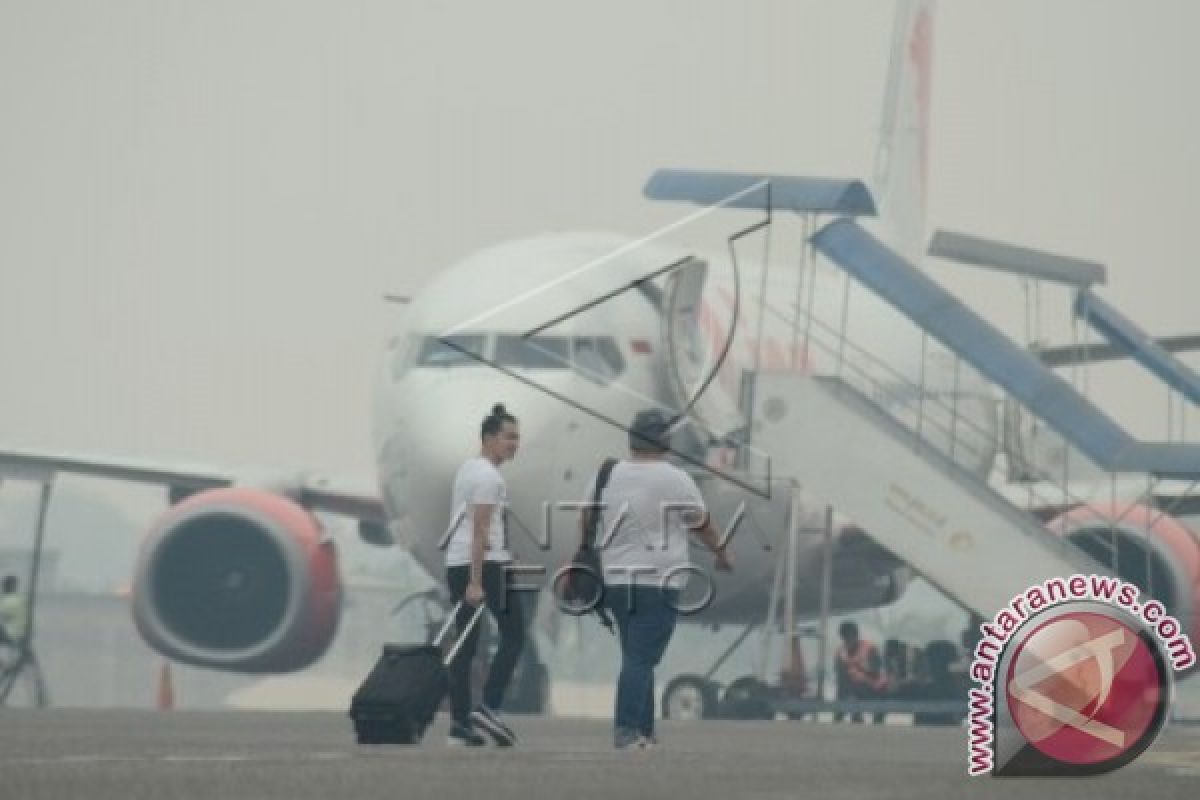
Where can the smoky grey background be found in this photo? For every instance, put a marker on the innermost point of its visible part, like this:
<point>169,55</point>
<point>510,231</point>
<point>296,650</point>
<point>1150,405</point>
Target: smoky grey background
<point>201,204</point>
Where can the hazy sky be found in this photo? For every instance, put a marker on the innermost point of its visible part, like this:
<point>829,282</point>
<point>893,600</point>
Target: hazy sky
<point>201,203</point>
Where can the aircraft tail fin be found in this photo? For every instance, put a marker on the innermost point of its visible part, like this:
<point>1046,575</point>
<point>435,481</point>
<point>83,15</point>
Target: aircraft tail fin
<point>901,165</point>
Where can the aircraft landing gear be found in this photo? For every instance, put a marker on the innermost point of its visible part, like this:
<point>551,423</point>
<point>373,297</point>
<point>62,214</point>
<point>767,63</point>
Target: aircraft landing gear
<point>747,698</point>
<point>693,697</point>
<point>696,697</point>
<point>689,698</point>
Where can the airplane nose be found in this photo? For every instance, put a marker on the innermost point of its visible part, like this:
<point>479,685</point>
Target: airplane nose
<point>444,417</point>
<point>444,429</point>
<point>435,428</point>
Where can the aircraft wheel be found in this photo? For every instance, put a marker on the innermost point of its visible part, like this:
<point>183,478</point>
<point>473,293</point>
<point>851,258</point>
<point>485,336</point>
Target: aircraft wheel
<point>689,697</point>
<point>747,698</point>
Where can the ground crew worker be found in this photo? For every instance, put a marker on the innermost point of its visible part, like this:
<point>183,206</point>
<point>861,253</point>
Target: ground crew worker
<point>13,613</point>
<point>859,671</point>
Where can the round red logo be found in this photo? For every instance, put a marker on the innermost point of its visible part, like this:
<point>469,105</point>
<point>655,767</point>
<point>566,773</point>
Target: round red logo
<point>1085,688</point>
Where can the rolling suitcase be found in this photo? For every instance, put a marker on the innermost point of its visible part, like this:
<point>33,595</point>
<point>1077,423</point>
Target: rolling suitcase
<point>401,695</point>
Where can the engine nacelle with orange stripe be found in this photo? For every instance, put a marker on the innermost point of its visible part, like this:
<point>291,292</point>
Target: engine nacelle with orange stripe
<point>238,579</point>
<point>1146,547</point>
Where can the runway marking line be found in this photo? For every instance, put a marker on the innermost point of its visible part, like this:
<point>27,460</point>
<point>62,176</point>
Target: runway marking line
<point>176,758</point>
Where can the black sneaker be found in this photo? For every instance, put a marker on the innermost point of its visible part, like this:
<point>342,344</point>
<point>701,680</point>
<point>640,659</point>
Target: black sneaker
<point>464,736</point>
<point>491,723</point>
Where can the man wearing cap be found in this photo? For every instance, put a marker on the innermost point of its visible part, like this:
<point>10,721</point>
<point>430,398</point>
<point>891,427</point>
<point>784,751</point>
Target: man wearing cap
<point>649,509</point>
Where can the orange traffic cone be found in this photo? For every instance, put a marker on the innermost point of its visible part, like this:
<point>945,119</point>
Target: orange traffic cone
<point>166,691</point>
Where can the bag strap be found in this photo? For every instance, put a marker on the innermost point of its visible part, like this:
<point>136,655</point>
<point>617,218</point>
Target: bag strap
<point>593,513</point>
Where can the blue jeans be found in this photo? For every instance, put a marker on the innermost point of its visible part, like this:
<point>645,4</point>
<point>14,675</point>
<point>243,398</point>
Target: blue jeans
<point>645,618</point>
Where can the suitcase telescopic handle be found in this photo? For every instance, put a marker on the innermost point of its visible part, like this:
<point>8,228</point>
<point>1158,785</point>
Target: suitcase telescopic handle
<point>437,642</point>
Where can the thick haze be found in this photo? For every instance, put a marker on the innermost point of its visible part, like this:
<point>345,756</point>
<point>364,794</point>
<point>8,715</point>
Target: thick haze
<point>201,204</point>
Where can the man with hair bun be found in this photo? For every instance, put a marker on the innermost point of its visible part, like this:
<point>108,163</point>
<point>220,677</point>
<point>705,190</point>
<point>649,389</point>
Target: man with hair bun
<point>477,562</point>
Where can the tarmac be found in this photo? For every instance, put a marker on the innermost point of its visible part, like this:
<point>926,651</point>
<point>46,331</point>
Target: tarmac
<point>231,754</point>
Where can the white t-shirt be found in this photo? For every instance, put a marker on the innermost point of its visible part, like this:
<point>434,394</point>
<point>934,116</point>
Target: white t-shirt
<point>653,505</point>
<point>478,482</point>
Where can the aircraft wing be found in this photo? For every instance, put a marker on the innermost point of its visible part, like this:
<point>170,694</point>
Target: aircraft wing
<point>364,506</point>
<point>180,479</point>
<point>35,465</point>
<point>1047,499</point>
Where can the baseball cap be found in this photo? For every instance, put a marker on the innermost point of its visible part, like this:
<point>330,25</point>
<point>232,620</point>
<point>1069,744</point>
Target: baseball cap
<point>650,431</point>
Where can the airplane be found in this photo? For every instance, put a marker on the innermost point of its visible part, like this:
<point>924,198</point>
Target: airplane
<point>240,573</point>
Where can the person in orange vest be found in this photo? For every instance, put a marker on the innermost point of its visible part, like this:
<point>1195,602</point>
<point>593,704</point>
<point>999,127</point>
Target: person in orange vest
<point>859,670</point>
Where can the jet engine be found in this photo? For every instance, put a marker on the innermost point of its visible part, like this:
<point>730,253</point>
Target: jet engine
<point>1146,547</point>
<point>238,579</point>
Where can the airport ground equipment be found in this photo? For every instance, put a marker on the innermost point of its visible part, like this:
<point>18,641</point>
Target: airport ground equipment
<point>902,458</point>
<point>21,679</point>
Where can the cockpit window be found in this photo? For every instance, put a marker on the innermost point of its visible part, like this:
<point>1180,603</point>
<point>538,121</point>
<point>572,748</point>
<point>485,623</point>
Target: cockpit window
<point>451,351</point>
<point>597,358</point>
<point>535,352</point>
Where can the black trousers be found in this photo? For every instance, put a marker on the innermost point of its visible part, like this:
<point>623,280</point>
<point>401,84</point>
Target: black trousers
<point>505,607</point>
